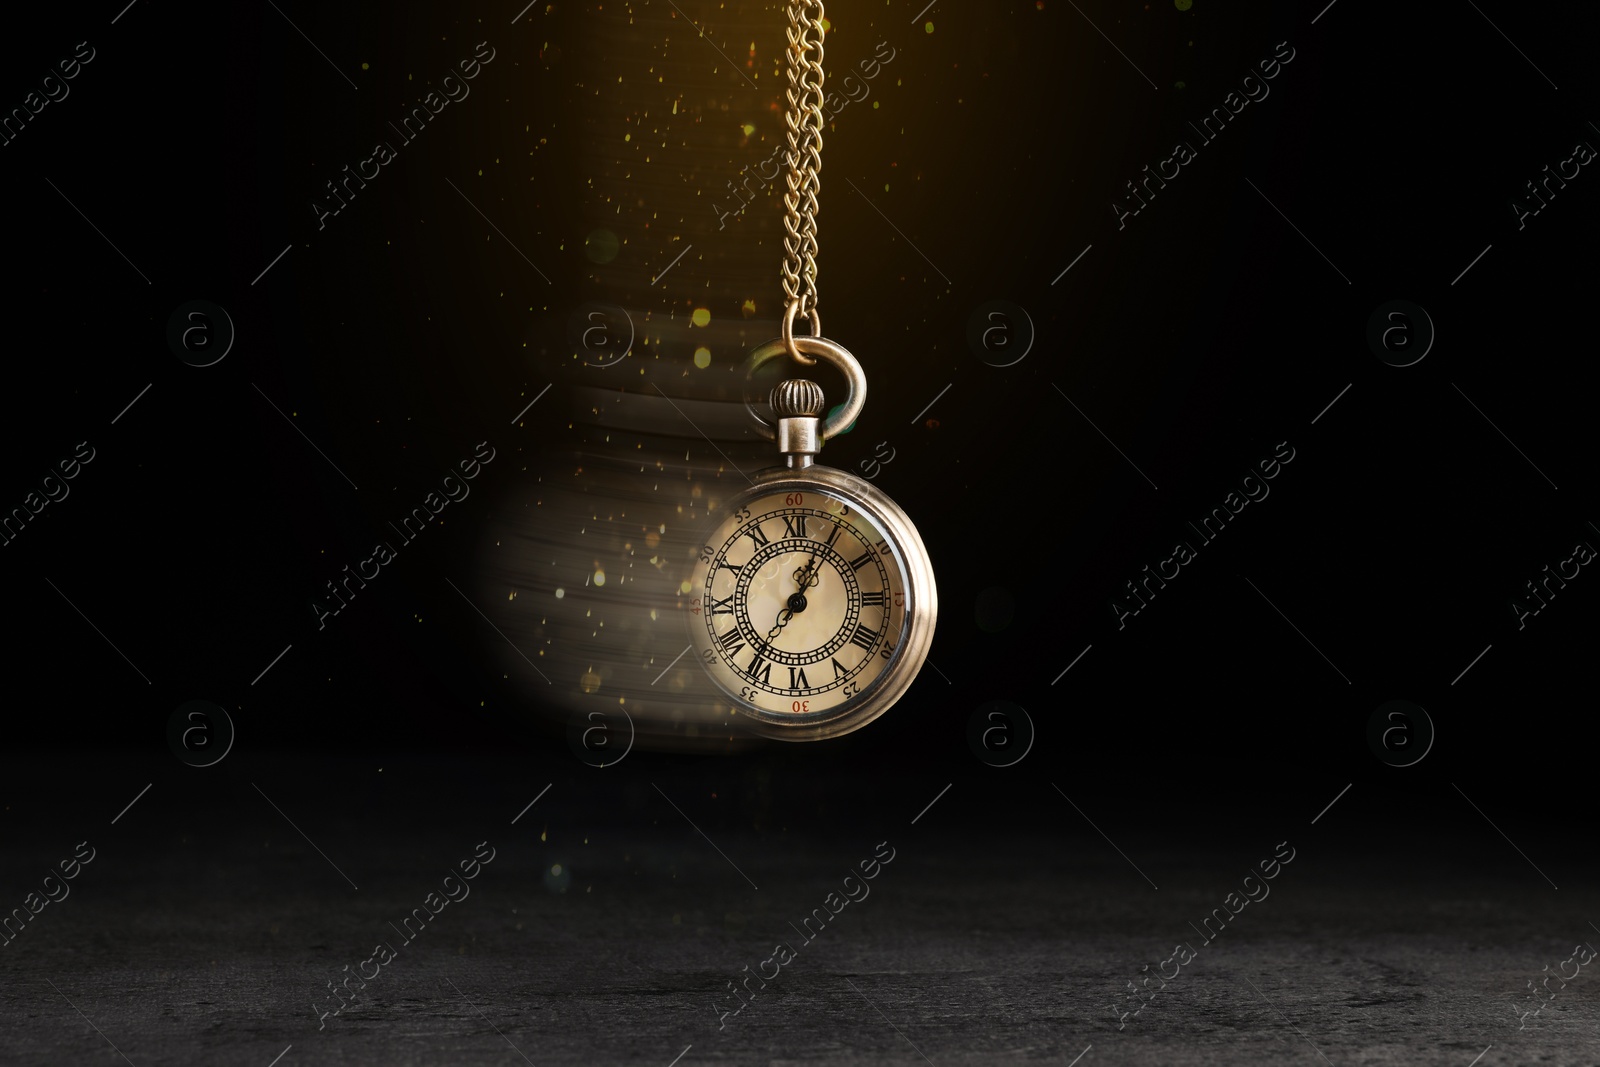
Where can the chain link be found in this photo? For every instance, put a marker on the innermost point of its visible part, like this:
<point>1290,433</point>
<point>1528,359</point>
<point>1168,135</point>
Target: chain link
<point>804,121</point>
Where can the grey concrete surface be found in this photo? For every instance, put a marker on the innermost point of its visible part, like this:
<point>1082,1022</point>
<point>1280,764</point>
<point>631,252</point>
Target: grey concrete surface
<point>207,934</point>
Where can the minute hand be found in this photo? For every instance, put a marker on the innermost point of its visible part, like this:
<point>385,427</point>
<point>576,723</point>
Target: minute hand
<point>807,576</point>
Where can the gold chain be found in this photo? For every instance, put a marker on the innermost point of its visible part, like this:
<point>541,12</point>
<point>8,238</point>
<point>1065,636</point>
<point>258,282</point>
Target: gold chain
<point>804,121</point>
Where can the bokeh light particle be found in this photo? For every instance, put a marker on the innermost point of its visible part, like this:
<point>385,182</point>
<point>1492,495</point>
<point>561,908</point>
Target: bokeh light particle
<point>702,357</point>
<point>601,246</point>
<point>701,316</point>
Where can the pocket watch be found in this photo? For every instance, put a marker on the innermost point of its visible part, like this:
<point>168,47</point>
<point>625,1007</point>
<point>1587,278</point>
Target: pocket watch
<point>814,600</point>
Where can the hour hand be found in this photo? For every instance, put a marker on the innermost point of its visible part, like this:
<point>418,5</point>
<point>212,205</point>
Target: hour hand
<point>783,619</point>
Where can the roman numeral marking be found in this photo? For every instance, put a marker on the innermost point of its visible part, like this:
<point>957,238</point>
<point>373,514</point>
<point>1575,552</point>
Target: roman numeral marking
<point>725,607</point>
<point>794,526</point>
<point>873,599</point>
<point>797,678</point>
<point>757,538</point>
<point>760,670</point>
<point>838,671</point>
<point>864,636</point>
<point>734,567</point>
<point>833,534</point>
<point>861,560</point>
<point>731,643</point>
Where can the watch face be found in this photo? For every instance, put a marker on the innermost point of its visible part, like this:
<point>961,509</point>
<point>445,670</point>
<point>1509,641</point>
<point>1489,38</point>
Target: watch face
<point>799,604</point>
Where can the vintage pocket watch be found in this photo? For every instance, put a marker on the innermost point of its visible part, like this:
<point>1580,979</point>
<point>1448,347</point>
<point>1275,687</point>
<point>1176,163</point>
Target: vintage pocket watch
<point>814,600</point>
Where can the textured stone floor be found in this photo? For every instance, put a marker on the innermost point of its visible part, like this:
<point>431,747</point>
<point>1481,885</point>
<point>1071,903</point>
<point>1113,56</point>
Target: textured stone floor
<point>206,927</point>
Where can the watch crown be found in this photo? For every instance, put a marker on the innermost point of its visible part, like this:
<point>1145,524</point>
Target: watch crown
<point>797,398</point>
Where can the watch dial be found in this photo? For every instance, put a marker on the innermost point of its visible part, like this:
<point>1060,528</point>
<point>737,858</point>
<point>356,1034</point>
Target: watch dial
<point>799,605</point>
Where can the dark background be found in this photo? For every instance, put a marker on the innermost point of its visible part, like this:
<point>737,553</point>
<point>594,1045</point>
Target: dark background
<point>425,315</point>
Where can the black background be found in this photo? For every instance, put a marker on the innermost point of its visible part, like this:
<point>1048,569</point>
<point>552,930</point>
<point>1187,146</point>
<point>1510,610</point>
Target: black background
<point>1196,338</point>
